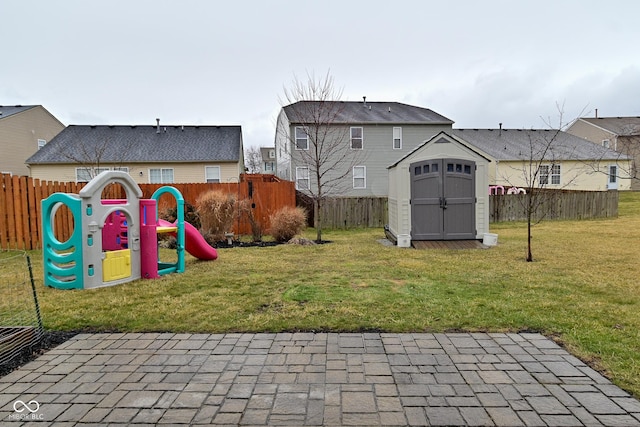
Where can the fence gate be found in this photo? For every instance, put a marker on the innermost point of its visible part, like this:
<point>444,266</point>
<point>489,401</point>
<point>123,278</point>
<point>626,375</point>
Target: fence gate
<point>443,199</point>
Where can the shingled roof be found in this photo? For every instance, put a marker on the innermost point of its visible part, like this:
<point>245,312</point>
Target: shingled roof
<point>519,144</point>
<point>142,144</point>
<point>624,126</point>
<point>9,110</point>
<point>350,112</point>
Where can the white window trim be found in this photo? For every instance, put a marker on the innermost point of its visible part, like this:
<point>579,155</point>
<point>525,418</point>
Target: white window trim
<point>549,176</point>
<point>161,177</point>
<point>206,176</point>
<point>397,130</point>
<point>363,177</point>
<point>351,138</point>
<point>300,177</point>
<point>41,143</point>
<point>92,172</point>
<point>295,137</point>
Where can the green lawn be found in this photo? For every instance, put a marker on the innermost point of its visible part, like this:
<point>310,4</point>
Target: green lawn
<point>582,289</point>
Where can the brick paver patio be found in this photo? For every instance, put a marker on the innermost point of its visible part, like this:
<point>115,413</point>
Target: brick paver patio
<point>473,379</point>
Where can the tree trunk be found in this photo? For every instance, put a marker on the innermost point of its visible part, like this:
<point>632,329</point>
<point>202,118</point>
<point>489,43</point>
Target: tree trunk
<point>317,220</point>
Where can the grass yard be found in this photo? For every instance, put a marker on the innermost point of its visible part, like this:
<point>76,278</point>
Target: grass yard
<point>582,289</point>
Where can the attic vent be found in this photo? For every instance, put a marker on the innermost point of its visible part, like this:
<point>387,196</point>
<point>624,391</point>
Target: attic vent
<point>442,141</point>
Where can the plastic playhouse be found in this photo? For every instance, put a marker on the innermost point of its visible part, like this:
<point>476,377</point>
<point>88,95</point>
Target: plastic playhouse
<point>114,241</point>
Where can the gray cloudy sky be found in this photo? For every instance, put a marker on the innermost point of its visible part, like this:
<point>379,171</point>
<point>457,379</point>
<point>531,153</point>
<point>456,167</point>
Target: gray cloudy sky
<point>226,62</point>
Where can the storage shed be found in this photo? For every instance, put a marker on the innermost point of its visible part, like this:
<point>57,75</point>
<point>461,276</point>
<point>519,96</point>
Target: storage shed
<point>439,191</point>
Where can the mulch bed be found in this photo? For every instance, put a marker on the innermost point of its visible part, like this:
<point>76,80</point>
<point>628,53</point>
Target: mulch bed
<point>50,339</point>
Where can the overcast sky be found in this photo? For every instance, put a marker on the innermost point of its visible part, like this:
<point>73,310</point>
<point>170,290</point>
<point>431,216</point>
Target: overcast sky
<point>210,62</point>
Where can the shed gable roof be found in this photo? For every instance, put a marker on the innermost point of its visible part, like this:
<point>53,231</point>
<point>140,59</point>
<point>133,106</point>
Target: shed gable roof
<point>624,126</point>
<point>524,144</point>
<point>351,112</point>
<point>142,144</point>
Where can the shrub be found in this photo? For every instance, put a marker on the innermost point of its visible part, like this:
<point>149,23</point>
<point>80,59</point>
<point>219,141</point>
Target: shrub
<point>245,207</point>
<point>287,222</point>
<point>217,211</point>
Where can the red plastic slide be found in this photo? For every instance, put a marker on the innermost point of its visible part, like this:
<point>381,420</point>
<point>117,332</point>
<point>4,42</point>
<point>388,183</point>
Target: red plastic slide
<point>194,243</point>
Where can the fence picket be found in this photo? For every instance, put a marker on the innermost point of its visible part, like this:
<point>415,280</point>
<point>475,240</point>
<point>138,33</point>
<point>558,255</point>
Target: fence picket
<point>21,212</point>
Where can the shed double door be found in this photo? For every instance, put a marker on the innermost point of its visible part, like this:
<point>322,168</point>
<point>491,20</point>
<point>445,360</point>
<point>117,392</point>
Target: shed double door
<point>443,199</point>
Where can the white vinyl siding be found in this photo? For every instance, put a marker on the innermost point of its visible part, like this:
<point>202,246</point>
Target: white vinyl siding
<point>212,173</point>
<point>302,139</point>
<point>357,138</point>
<point>359,177</point>
<point>161,176</point>
<point>397,138</point>
<point>302,178</point>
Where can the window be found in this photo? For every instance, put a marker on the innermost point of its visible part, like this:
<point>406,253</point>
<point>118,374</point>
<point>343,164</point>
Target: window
<point>161,176</point>
<point>613,174</point>
<point>302,178</point>
<point>356,138</point>
<point>212,173</point>
<point>545,171</point>
<point>555,174</point>
<point>359,177</point>
<point>268,166</point>
<point>41,143</point>
<point>86,174</point>
<point>606,143</point>
<point>302,139</point>
<point>397,138</point>
<point>121,169</point>
<point>272,154</point>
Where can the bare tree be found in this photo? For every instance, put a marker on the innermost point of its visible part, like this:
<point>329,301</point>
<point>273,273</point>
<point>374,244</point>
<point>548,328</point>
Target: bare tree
<point>321,139</point>
<point>541,167</point>
<point>253,159</point>
<point>94,156</point>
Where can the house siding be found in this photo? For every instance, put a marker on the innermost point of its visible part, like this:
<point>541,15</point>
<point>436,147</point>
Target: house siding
<point>377,153</point>
<point>182,172</point>
<point>19,134</point>
<point>574,175</point>
<point>592,133</point>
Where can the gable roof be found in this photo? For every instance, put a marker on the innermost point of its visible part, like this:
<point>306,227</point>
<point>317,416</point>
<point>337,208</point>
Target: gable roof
<point>519,144</point>
<point>351,112</point>
<point>142,144</point>
<point>9,110</point>
<point>625,126</point>
<point>441,136</point>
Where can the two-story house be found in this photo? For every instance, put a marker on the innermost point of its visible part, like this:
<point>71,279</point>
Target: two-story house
<point>150,154</point>
<point>621,134</point>
<point>349,144</point>
<point>268,155</point>
<point>24,129</point>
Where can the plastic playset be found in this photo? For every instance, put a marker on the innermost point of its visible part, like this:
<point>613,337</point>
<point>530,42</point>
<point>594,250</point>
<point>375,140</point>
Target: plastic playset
<point>114,241</point>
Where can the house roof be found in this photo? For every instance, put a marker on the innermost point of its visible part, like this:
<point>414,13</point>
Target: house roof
<point>524,144</point>
<point>351,112</point>
<point>142,144</point>
<point>437,137</point>
<point>9,110</point>
<point>619,125</point>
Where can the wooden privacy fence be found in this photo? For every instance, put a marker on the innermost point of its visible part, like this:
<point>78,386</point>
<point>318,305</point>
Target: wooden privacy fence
<point>353,212</point>
<point>21,215</point>
<point>348,212</point>
<point>555,204</point>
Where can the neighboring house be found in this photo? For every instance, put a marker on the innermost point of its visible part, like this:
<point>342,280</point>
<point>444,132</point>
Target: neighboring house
<point>377,133</point>
<point>268,160</point>
<point>150,154</point>
<point>570,162</point>
<point>618,133</point>
<point>24,129</point>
